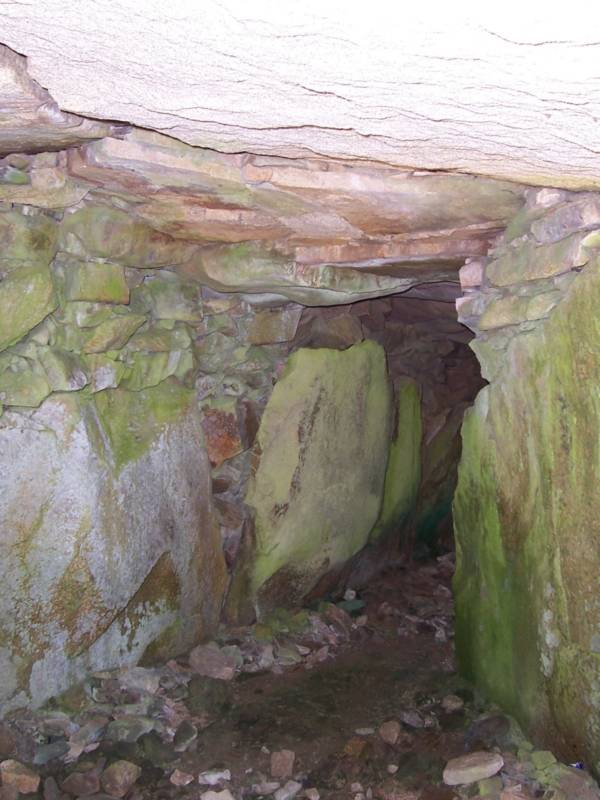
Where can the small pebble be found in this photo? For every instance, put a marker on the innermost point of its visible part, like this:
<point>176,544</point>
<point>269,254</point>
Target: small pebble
<point>291,789</point>
<point>179,778</point>
<point>225,794</point>
<point>390,731</point>
<point>213,777</point>
<point>282,763</point>
<point>118,779</point>
<point>265,787</point>
<point>452,703</point>
<point>472,768</point>
<point>17,775</point>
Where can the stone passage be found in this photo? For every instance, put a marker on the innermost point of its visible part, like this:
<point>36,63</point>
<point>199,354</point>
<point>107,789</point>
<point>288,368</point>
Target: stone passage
<point>169,450</point>
<point>235,362</point>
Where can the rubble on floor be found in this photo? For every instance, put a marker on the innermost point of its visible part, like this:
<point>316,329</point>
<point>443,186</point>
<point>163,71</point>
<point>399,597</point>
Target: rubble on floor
<point>356,698</point>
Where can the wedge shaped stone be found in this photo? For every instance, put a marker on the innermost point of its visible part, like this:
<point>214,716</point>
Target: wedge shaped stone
<point>113,334</point>
<point>24,383</point>
<point>26,298</point>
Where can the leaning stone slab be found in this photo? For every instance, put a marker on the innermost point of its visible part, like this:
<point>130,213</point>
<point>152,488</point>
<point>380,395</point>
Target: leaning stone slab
<point>113,334</point>
<point>472,768</point>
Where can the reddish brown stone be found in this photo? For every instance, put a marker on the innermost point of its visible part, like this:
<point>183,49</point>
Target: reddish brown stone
<point>118,779</point>
<point>18,776</point>
<point>222,434</point>
<point>82,784</point>
<point>282,763</point>
<point>355,746</point>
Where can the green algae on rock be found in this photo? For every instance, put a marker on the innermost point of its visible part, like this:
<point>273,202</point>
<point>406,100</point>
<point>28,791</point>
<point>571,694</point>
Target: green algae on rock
<point>137,565</point>
<point>403,474</point>
<point>108,233</point>
<point>321,454</point>
<point>527,523</point>
<point>27,296</point>
<point>94,282</point>
<point>26,240</point>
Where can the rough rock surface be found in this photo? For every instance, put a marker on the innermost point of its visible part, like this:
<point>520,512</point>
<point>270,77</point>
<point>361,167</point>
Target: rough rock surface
<point>526,510</point>
<point>489,94</point>
<point>116,361</point>
<point>30,120</point>
<point>472,768</point>
<point>321,455</point>
<point>150,295</point>
<point>107,553</point>
<point>403,473</point>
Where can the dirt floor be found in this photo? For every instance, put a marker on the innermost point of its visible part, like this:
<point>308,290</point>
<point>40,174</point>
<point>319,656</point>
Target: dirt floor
<point>356,698</point>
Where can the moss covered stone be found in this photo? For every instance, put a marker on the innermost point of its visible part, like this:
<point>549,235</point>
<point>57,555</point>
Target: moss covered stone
<point>527,520</point>
<point>321,455</point>
<point>403,474</point>
<point>133,420</point>
<point>27,296</point>
<point>108,233</point>
<point>150,369</point>
<point>113,333</point>
<point>258,268</point>
<point>166,297</point>
<point>65,371</point>
<point>23,383</point>
<point>105,372</point>
<point>95,282</point>
<point>153,339</point>
<point>271,325</point>
<point>81,314</point>
<point>109,549</point>
<point>26,240</point>
<point>528,261</point>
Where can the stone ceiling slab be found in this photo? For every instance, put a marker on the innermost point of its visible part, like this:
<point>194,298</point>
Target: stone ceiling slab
<point>360,215</point>
<point>30,120</point>
<point>496,93</point>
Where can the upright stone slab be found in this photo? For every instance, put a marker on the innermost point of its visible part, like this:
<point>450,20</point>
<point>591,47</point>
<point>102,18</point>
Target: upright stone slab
<point>109,551</point>
<point>403,474</point>
<point>527,520</point>
<point>321,456</point>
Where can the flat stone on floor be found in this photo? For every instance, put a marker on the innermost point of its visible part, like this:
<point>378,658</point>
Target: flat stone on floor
<point>472,768</point>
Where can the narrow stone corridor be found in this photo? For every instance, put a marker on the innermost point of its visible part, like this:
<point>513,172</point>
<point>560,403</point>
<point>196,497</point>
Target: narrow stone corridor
<point>299,402</point>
